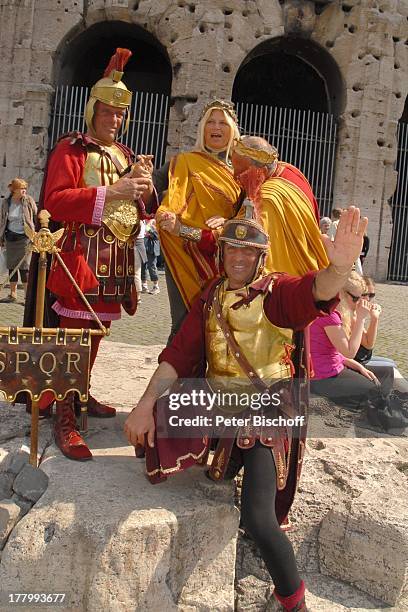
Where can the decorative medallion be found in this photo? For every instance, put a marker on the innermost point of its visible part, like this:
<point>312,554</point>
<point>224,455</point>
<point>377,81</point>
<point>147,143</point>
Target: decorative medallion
<point>240,232</point>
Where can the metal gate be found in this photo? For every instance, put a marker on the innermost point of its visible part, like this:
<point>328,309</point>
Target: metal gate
<point>149,116</point>
<point>398,260</point>
<point>305,139</point>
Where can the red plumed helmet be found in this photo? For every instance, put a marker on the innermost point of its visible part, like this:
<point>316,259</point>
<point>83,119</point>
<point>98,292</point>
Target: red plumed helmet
<point>118,62</point>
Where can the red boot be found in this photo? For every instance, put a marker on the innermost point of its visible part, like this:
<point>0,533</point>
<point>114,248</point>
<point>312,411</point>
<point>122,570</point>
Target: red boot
<point>66,435</point>
<point>101,411</point>
<point>295,602</point>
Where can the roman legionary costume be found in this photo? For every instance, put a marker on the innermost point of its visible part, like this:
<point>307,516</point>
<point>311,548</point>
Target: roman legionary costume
<point>251,338</point>
<point>98,242</point>
<point>288,212</point>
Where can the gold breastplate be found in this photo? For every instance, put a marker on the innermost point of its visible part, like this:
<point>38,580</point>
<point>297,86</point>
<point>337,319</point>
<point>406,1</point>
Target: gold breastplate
<point>121,216</point>
<point>262,343</point>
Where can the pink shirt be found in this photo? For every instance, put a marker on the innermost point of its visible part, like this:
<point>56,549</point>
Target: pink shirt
<point>326,360</point>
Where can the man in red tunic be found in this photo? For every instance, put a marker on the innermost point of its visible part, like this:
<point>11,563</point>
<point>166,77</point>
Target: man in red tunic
<point>240,329</point>
<point>86,189</point>
<point>287,206</point>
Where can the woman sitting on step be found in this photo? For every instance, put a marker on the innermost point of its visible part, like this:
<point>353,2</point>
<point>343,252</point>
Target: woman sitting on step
<point>334,342</point>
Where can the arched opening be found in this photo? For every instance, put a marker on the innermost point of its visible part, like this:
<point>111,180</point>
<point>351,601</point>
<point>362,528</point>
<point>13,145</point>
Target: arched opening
<point>290,91</point>
<point>398,259</point>
<point>290,72</point>
<point>81,60</point>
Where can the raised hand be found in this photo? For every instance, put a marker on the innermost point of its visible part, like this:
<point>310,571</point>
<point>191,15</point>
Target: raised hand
<point>342,254</point>
<point>363,308</point>
<point>375,311</point>
<point>348,242</point>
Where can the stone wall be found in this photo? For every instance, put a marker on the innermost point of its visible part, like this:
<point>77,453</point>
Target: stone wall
<point>206,43</point>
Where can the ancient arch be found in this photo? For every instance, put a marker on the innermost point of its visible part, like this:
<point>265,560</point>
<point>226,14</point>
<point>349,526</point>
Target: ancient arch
<point>290,91</point>
<point>291,72</point>
<point>82,57</point>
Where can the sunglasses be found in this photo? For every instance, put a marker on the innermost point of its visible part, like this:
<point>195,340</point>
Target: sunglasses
<point>355,298</point>
<point>369,296</point>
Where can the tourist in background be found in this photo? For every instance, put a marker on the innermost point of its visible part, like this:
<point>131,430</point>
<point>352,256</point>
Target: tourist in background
<point>140,259</point>
<point>364,250</point>
<point>334,342</point>
<point>18,212</point>
<point>335,217</point>
<point>325,226</point>
<point>152,247</point>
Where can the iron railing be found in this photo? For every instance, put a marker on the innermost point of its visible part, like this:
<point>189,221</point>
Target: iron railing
<point>148,119</point>
<point>398,259</point>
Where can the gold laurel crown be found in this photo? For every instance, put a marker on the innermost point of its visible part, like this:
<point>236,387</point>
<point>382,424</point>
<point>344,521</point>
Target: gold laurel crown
<point>223,105</point>
<point>257,155</point>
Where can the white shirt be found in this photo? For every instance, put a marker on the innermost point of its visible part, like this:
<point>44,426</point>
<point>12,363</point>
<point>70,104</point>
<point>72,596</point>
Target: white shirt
<point>15,217</point>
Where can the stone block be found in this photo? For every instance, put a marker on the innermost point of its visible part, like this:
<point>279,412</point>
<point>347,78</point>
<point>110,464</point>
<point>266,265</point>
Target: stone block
<point>365,543</point>
<point>9,515</point>
<point>252,595</point>
<point>165,547</point>
<point>30,483</point>
<point>6,484</point>
<point>23,504</point>
<point>15,462</point>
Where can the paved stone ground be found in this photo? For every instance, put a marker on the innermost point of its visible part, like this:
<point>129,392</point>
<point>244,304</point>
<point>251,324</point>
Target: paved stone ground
<point>151,324</point>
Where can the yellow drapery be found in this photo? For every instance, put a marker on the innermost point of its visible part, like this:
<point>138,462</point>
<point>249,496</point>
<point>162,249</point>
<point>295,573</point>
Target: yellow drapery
<point>295,243</point>
<point>200,187</point>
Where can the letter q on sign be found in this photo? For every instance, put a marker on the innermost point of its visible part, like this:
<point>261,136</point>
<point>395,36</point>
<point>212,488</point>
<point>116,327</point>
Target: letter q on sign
<point>47,359</point>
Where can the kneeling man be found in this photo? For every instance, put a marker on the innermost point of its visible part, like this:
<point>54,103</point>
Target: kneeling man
<point>241,329</point>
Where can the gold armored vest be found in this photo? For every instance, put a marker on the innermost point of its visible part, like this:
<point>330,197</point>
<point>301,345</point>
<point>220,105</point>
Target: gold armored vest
<point>264,345</point>
<point>120,216</point>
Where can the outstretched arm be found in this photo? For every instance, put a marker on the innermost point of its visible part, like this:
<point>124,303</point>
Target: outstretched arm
<point>140,421</point>
<point>342,254</point>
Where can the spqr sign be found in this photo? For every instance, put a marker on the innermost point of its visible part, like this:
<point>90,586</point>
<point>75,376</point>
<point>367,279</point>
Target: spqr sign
<point>35,361</point>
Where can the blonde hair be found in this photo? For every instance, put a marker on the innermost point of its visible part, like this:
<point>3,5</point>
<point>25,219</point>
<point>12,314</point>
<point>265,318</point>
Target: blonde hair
<point>17,183</point>
<point>200,142</point>
<point>355,283</point>
<point>368,281</point>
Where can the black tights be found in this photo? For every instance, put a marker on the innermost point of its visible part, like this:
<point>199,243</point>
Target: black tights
<point>259,519</point>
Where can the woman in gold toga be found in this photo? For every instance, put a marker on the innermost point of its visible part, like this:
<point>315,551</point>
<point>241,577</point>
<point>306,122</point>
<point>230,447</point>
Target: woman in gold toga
<point>202,193</point>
